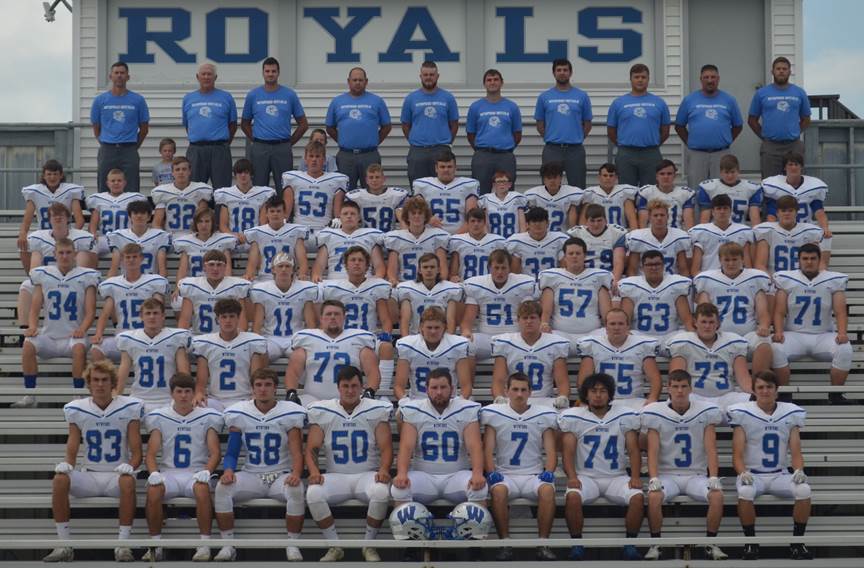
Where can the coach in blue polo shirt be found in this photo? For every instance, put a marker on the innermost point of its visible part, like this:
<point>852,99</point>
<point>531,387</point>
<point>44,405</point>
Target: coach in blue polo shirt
<point>120,120</point>
<point>266,122</point>
<point>210,118</point>
<point>779,112</point>
<point>638,123</point>
<point>494,128</point>
<point>430,119</point>
<point>359,122</point>
<point>563,115</point>
<point>708,120</point>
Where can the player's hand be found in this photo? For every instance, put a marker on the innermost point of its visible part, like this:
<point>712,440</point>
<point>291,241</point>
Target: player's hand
<point>401,481</point>
<point>561,402</point>
<point>455,278</point>
<point>841,338</point>
<point>501,400</point>
<point>79,333</point>
<point>31,332</point>
<point>382,476</point>
<point>156,478</point>
<point>826,233</point>
<point>763,330</point>
<point>778,336</point>
<point>96,339</point>
<point>799,477</point>
<point>714,484</point>
<point>435,222</point>
<point>202,476</point>
<point>241,238</point>
<point>315,478</point>
<point>292,396</point>
<point>227,477</point>
<point>22,242</point>
<point>545,327</point>
<point>467,334</point>
<point>293,480</point>
<point>574,483</point>
<point>476,482</point>
<point>335,223</point>
<point>745,478</point>
<point>494,478</point>
<point>200,399</point>
<point>124,469</point>
<point>546,476</point>
<point>654,484</point>
<point>63,467</point>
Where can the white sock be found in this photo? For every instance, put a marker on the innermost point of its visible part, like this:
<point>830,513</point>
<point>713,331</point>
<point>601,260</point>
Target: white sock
<point>386,369</point>
<point>293,536</point>
<point>371,532</point>
<point>204,536</point>
<point>156,536</point>
<point>63,531</point>
<point>124,532</point>
<point>330,532</point>
<point>227,535</point>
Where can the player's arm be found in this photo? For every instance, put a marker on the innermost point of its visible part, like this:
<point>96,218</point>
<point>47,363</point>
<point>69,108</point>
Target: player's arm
<point>400,379</point>
<point>516,264</point>
<point>369,366</point>
<point>653,453</point>
<point>102,322</point>
<point>547,303</point>
<point>632,264</point>
<point>202,377</point>
<point>95,218</point>
<point>252,261</point>
<point>224,224</point>
<point>838,304</point>
<point>310,315</point>
<point>474,445</point>
<point>695,261</point>
<point>643,218</point>
<point>677,363</point>
<point>159,218</point>
<point>258,319</point>
<point>763,315</point>
<point>214,450</point>
<point>89,313</point>
<point>550,446</point>
<point>612,134</point>
<point>259,361</point>
<point>181,360</point>
<point>586,367</point>
<point>379,267</point>
<point>796,454</point>
<point>652,373</point>
<point>232,452</point>
<point>682,306</point>
<point>630,214</point>
<point>296,366</point>
<point>154,443</point>
<point>780,315</point>
<point>73,442</point>
<point>185,319</point>
<point>520,221</point>
<point>754,214</point>
<point>407,441</point>
<point>465,378</point>
<point>822,220</point>
<point>619,265</point>
<point>133,435</point>
<point>742,374</point>
<point>454,267</point>
<point>762,252</point>
<point>405,313</point>
<point>560,377</point>
<point>114,269</point>
<point>632,444</point>
<point>489,441</point>
<point>314,441</point>
<point>710,443</point>
<point>682,264</point>
<point>320,264</point>
<point>393,268</point>
<point>78,214</point>
<point>689,218</point>
<point>499,377</point>
<point>739,442</point>
<point>182,268</point>
<point>338,200</point>
<point>748,257</point>
<point>123,371</point>
<point>452,308</point>
<point>295,448</point>
<point>441,253</point>
<point>382,306</point>
<point>29,211</point>
<point>302,259</point>
<point>604,302</point>
<point>568,459</point>
<point>288,198</point>
<point>703,297</point>
<point>384,439</point>
<point>468,319</point>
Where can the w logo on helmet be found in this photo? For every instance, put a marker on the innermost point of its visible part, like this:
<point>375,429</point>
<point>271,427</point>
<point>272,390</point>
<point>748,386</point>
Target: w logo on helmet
<point>475,514</point>
<point>406,513</point>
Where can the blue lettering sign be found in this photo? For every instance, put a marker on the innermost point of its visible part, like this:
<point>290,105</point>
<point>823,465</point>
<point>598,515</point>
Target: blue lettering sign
<point>433,41</point>
<point>514,39</point>
<point>343,37</point>
<point>631,40</point>
<point>216,34</point>
<point>137,35</point>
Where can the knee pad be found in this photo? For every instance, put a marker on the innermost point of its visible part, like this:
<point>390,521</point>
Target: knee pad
<point>747,492</point>
<point>801,491</point>
<point>379,499</point>
<point>401,494</point>
<point>477,494</point>
<point>779,359</point>
<point>223,501</point>
<point>294,505</point>
<point>842,357</point>
<point>316,499</point>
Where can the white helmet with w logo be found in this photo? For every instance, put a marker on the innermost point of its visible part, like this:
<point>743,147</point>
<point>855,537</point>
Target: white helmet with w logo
<point>471,521</point>
<point>411,521</point>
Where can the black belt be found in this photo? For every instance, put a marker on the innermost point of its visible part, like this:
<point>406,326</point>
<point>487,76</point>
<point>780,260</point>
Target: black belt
<point>711,151</point>
<point>494,150</point>
<point>119,144</point>
<point>209,143</point>
<point>783,141</point>
<point>270,142</point>
<point>430,147</point>
<point>639,147</point>
<point>562,145</point>
<point>358,150</point>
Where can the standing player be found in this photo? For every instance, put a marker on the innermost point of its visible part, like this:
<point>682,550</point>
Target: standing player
<point>227,358</point>
<point>418,237</point>
<point>778,242</point>
<point>679,199</point>
<point>354,433</point>
<point>672,243</point>
<point>177,202</point>
<point>746,196</point>
<point>505,208</point>
<point>707,238</point>
<point>516,435</point>
<point>313,196</point>
<point>378,204</point>
<point>201,293</point>
<point>154,242</point>
<point>601,240</point>
<point>561,201</point>
<point>450,197</point>
<point>242,204</point>
<point>427,290</point>
<point>469,251</point>
<point>333,242</point>
<point>193,246</point>
<point>273,238</point>
<point>682,446</point>
<point>108,209</point>
<point>765,433</point>
<point>617,199</point>
<point>110,428</point>
<point>538,248</point>
<point>188,437</point>
<point>598,438</point>
<point>272,433</point>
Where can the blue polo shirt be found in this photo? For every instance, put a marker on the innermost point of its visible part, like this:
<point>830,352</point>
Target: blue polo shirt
<point>357,119</point>
<point>119,116</point>
<point>781,111</point>
<point>429,115</point>
<point>563,113</point>
<point>494,123</point>
<point>271,112</point>
<point>709,120</point>
<point>206,115</point>
<point>638,119</point>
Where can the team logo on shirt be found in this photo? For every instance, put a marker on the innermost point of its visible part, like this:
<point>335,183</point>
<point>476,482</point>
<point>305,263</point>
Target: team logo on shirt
<point>564,109</point>
<point>430,111</point>
<point>711,113</point>
<point>272,110</point>
<point>355,113</point>
<point>783,106</point>
<point>494,121</point>
<point>119,116</point>
<point>640,112</point>
<point>204,111</point>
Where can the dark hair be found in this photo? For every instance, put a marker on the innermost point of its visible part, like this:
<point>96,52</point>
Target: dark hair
<point>781,59</point>
<point>665,164</point>
<point>810,248</point>
<point>412,204</point>
<point>551,169</point>
<point>500,256</point>
<point>492,73</point>
<point>536,214</point>
<point>649,254</point>
<point>767,376</point>
<point>787,202</point>
<point>529,308</point>
<point>216,255</point>
<point>180,160</point>
<point>334,303</point>
<point>131,248</point>
<point>270,61</point>
<point>141,206</point>
<point>265,373</point>
<point>562,62</point>
<point>476,213</point>
<point>518,377</point>
<point>445,156</point>
<point>429,65</point>
<point>729,162</point>
<point>679,375</point>
<point>639,68</point>
<point>357,69</point>
<point>167,142</point>
<point>152,303</point>
<point>706,310</point>
<point>439,372</point>
<point>58,208</point>
<point>351,204</point>
<point>52,166</point>
<point>793,157</point>
<point>122,64</point>
<point>609,167</point>
<point>274,202</point>
<point>201,213</point>
<point>227,306</point>
<point>243,165</point>
<point>181,381</point>
<point>428,257</point>
<point>575,241</point>
<point>709,67</point>
<point>594,210</point>
<point>354,250</point>
<point>593,380</point>
<point>347,373</point>
<point>721,200</point>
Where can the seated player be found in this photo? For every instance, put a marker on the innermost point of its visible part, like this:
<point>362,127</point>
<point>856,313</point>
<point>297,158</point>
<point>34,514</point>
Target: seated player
<point>673,244</point>
<point>354,434</point>
<point>427,290</point>
<point>226,358</point>
<point>810,319</point>
<point>379,205</point>
<point>432,348</point>
<point>765,433</point>
<point>682,446</point>
<point>601,239</point>
<point>123,297</point>
<point>65,296</point>
<point>746,196</point>
<point>188,438</point>
<point>242,204</point>
<point>332,244</point>
<point>406,245</point>
<point>193,246</point>
<point>504,207</point>
<point>449,196</point>
<point>515,438</point>
<point>617,200</point>
<point>177,202</point>
<point>154,242</point>
<point>679,199</point>
<point>560,200</point>
<point>154,354</point>
<point>778,242</point>
<point>200,294</point>
<point>272,432</point>
<point>110,427</point>
<point>538,248</point>
<point>318,354</point>
<point>283,306</point>
<point>108,209</point>
<point>469,251</point>
<point>707,238</point>
<point>273,238</point>
<point>598,438</point>
<point>542,357</point>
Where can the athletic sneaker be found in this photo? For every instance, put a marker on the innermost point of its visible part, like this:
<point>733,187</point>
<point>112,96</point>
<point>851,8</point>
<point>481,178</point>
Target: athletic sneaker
<point>27,401</point>
<point>799,552</point>
<point>713,552</point>
<point>751,552</point>
<point>123,554</point>
<point>334,554</point>
<point>226,554</point>
<point>60,555</point>
<point>292,553</point>
<point>577,552</point>
<point>371,555</point>
<point>630,553</point>
<point>202,554</point>
<point>653,553</point>
<point>545,553</point>
<point>153,555</point>
<point>504,554</point>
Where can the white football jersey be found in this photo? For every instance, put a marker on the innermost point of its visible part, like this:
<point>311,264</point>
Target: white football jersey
<point>229,362</point>
<point>602,448</point>
<point>283,311</point>
<point>576,307</point>
<point>712,368</point>
<point>811,195</point>
<point>682,436</point>
<point>809,307</point>
<point>204,297</point>
<point>624,363</point>
<point>195,248</point>
<point>313,197</point>
<point>734,297</point>
<point>498,306</point>
<point>128,297</point>
<point>709,238</point>
<point>325,355</point>
<point>274,241</point>
<point>503,214</point>
<point>43,198</point>
<point>420,297</point>
<point>43,242</point>
<point>180,204</point>
<point>600,253</point>
<point>537,255</point>
<point>244,209</point>
<point>151,242</point>
<point>783,245</point>
<point>422,360</point>
<point>675,241</point>
<point>557,205</point>
<point>411,248</point>
<point>612,202</point>
<point>361,301</point>
<point>679,199</point>
<point>104,431</point>
<point>519,437</point>
<point>338,241</point>
<point>474,254</point>
<point>767,448</point>
<point>112,209</point>
<point>536,360</point>
<point>743,194</point>
<point>378,211</point>
<point>184,438</point>
<point>654,311</point>
<point>153,360</point>
<point>265,436</point>
<point>349,438</point>
<point>440,445</point>
<point>63,297</point>
<point>447,201</point>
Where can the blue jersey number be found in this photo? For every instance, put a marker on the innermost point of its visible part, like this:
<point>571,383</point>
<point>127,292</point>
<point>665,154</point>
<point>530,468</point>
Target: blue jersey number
<point>283,322</point>
<point>737,306</point>
<point>448,210</point>
<point>243,218</point>
<point>653,318</point>
<point>409,266</point>
<point>622,373</point>
<point>180,216</point>
<point>610,452</point>
<point>228,368</point>
<point>151,371</point>
<point>805,302</point>
<point>535,372</point>
<point>103,447</point>
<point>704,368</point>
<point>566,306</point>
<point>268,451</point>
<point>521,438</point>
<point>357,316</point>
<point>503,224</point>
<point>312,203</point>
<point>685,443</point>
<point>58,305</point>
<point>499,314</point>
<point>771,450</point>
<point>381,219</point>
<point>182,450</point>
<point>474,265</point>
<point>205,318</point>
<point>339,361</point>
<point>440,445</point>
<point>353,447</point>
<point>785,258</point>
<point>421,377</point>
<point>130,312</point>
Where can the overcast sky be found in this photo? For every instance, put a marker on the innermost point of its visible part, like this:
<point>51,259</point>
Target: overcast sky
<point>36,62</point>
